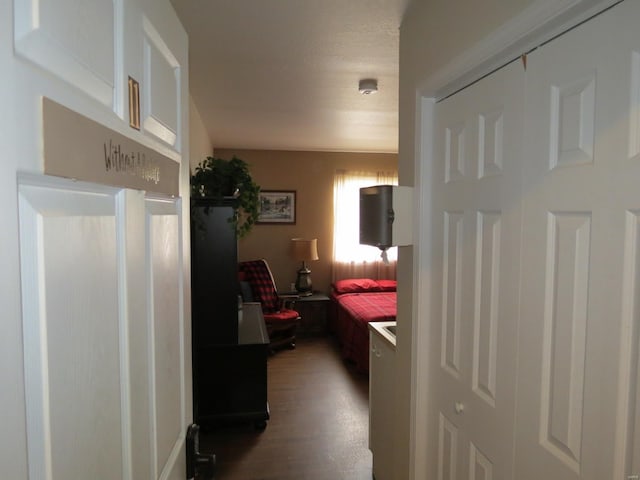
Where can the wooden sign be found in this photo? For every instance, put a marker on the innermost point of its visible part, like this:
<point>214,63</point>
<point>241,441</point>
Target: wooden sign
<point>77,147</point>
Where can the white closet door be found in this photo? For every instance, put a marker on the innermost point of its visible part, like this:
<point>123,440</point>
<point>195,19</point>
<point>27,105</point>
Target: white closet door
<point>581,206</point>
<point>477,175</point>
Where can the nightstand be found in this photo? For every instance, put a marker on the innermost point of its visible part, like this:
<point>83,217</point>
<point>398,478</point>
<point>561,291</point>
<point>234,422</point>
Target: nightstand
<point>313,313</point>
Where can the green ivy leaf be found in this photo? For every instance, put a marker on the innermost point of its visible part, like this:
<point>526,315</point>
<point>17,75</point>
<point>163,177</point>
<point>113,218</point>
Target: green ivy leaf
<point>218,178</point>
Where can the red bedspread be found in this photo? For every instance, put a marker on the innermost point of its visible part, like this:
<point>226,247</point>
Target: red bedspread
<point>352,313</point>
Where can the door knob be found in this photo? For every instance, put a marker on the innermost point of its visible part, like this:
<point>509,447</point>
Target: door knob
<point>198,463</point>
<point>459,407</point>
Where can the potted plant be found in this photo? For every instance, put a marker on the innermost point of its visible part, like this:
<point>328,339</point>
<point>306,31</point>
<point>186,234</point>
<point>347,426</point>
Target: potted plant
<point>218,178</point>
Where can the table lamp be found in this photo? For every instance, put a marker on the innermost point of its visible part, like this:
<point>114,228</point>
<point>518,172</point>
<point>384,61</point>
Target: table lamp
<point>304,251</point>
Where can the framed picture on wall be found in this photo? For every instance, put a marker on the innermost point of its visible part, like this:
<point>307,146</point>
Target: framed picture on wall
<point>277,206</point>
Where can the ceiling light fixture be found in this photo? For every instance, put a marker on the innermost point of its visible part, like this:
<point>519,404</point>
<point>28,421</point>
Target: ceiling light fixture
<point>367,86</point>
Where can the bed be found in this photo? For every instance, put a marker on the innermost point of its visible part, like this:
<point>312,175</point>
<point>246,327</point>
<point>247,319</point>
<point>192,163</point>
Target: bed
<point>354,303</point>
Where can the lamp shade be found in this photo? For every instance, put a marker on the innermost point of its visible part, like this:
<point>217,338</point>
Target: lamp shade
<point>304,250</point>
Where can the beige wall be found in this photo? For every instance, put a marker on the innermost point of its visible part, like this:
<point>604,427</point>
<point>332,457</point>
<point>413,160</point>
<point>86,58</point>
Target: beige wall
<point>199,143</point>
<point>436,32</point>
<point>310,174</point>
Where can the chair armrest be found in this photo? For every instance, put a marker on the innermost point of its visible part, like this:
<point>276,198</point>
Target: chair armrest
<point>288,299</point>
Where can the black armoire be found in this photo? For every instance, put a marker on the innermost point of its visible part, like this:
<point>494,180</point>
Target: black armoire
<point>229,357</point>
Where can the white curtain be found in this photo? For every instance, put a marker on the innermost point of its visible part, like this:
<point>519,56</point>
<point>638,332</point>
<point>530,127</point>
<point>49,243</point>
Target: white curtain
<point>350,259</point>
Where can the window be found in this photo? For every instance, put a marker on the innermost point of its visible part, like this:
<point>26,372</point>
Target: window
<point>350,258</point>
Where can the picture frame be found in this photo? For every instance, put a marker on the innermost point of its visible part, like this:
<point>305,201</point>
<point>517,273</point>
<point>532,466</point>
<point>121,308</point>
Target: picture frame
<point>277,207</point>
<point>134,103</point>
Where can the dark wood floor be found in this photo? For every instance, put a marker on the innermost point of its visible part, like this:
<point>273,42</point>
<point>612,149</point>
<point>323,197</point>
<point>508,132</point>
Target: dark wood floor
<point>319,422</point>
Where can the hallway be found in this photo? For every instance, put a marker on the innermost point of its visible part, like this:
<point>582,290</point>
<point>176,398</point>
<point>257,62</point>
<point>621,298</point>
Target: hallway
<point>319,422</point>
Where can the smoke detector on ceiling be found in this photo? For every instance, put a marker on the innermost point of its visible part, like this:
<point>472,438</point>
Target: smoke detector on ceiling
<point>367,86</point>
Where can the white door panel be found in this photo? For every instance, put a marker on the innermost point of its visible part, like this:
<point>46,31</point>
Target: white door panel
<point>72,335</point>
<point>82,44</point>
<point>628,446</point>
<point>167,329</point>
<point>633,447</point>
<point>161,97</point>
<point>104,333</point>
<point>477,175</point>
<point>577,194</point>
<point>73,40</point>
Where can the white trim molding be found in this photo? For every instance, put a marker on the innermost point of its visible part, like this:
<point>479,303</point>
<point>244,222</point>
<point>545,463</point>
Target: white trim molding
<point>537,24</point>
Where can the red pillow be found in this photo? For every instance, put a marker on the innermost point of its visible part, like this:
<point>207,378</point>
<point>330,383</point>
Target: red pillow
<point>388,285</point>
<point>356,285</point>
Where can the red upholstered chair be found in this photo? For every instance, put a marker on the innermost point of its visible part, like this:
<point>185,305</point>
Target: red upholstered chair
<point>281,320</point>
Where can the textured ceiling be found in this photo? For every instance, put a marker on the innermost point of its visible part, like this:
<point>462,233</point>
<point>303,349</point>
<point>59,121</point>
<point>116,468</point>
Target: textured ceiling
<point>283,74</point>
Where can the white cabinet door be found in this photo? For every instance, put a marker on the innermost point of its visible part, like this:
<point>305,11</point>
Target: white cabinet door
<point>476,184</point>
<point>581,209</point>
